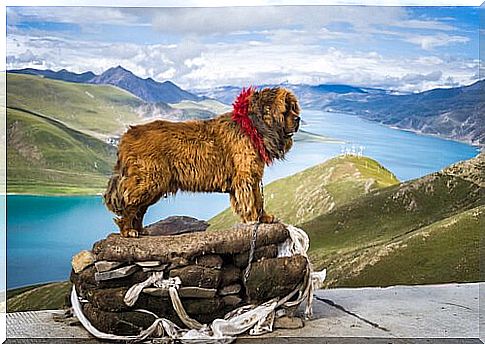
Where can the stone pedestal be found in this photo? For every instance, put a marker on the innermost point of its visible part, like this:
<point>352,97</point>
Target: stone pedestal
<point>210,266</point>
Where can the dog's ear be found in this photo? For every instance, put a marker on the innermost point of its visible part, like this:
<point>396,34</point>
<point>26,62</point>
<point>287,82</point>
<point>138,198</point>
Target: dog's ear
<point>291,103</point>
<point>263,105</point>
<point>272,105</point>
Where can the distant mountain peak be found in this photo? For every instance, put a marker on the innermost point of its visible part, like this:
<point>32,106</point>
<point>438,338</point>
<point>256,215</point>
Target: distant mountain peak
<point>119,67</point>
<point>147,89</point>
<point>118,70</point>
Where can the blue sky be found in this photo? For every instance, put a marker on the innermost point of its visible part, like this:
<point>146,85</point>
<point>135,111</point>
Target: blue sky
<point>401,48</point>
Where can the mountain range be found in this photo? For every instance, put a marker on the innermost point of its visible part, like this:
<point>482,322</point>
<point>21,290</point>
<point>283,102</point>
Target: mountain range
<point>308,95</point>
<point>62,74</point>
<point>147,89</point>
<point>454,113</point>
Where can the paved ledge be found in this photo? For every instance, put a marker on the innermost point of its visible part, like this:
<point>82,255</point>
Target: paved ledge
<point>372,314</point>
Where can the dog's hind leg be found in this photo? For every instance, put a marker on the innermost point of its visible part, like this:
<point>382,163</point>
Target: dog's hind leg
<point>139,194</point>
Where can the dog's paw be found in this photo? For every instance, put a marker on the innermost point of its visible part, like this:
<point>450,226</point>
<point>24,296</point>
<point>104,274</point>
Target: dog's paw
<point>133,233</point>
<point>129,233</point>
<point>266,218</point>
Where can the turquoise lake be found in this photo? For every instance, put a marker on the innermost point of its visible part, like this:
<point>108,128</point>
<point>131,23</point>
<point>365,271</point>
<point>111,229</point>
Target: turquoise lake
<point>43,233</point>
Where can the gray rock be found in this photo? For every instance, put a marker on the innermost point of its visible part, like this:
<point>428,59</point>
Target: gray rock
<point>230,289</point>
<point>288,323</point>
<point>190,292</point>
<point>104,265</point>
<point>174,225</point>
<point>113,274</point>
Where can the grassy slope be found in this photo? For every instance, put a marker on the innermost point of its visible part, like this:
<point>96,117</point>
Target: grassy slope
<point>443,252</point>
<point>48,296</point>
<point>422,231</point>
<point>317,190</point>
<point>356,236</point>
<point>47,157</point>
<point>93,109</point>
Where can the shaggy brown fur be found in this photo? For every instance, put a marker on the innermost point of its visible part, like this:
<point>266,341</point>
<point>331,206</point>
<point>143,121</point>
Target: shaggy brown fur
<point>159,158</point>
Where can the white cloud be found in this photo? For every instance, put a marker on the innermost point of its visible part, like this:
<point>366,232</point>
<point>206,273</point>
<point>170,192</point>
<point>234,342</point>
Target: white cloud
<point>196,65</point>
<point>245,65</point>
<point>429,42</point>
<point>223,20</point>
<point>202,21</point>
<point>429,24</point>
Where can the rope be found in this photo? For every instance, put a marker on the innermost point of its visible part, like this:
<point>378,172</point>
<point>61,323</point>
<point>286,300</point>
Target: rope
<point>251,252</point>
<point>252,246</point>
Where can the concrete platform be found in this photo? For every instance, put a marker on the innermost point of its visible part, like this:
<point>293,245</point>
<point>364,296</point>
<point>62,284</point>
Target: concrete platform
<point>402,314</point>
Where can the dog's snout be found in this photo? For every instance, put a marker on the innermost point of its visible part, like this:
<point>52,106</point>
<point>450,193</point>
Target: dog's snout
<point>297,123</point>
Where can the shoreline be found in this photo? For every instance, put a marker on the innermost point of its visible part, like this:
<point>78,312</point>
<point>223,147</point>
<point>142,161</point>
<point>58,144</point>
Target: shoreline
<point>479,146</point>
<point>53,195</point>
<point>418,132</point>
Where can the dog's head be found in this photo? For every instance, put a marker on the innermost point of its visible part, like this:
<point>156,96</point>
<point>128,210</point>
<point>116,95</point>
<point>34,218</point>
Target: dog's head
<point>276,114</point>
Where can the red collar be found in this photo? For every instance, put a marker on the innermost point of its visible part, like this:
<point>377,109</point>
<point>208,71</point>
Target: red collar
<point>240,116</point>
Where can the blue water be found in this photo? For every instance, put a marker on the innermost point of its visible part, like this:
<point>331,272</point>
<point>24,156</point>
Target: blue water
<point>45,232</point>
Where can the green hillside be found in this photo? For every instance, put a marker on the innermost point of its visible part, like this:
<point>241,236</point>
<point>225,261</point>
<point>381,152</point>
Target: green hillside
<point>47,157</point>
<point>369,230</point>
<point>97,110</point>
<point>397,234</point>
<point>444,252</point>
<point>317,190</point>
<point>39,297</point>
<point>206,104</point>
<point>93,109</point>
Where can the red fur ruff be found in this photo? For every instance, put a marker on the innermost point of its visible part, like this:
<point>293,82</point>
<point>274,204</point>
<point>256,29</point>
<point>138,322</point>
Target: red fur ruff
<point>240,116</point>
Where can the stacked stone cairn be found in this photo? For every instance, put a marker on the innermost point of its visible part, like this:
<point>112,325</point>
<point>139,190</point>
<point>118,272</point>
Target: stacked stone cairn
<point>211,266</point>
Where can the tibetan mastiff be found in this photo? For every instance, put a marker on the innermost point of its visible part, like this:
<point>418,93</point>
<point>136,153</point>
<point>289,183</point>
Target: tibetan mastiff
<point>225,154</point>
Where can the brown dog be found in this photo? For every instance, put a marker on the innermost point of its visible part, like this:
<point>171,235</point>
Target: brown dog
<point>223,154</point>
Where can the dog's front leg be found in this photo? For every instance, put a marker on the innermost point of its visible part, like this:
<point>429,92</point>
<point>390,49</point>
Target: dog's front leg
<point>259,203</point>
<point>247,202</point>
